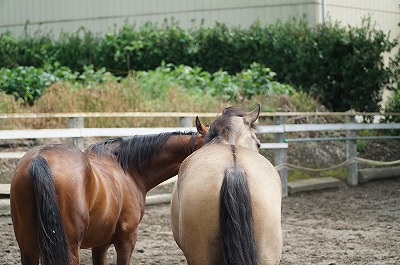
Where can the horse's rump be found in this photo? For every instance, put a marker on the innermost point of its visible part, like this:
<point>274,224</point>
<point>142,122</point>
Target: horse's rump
<point>37,205</point>
<point>208,193</point>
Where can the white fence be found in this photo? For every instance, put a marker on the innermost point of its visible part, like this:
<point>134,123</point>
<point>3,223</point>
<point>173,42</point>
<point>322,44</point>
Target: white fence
<point>279,128</point>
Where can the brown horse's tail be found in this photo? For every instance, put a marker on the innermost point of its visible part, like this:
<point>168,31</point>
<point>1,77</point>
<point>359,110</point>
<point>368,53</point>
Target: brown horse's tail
<point>236,219</point>
<point>51,234</point>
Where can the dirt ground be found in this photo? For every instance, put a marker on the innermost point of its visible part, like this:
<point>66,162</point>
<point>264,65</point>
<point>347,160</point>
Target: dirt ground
<point>359,225</point>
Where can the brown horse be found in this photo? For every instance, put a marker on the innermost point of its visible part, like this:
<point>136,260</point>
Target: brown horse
<point>63,199</point>
<point>226,203</point>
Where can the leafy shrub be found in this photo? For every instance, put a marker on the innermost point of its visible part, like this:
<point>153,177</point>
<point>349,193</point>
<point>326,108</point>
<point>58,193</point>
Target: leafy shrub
<point>256,80</point>
<point>340,66</point>
<point>27,82</point>
<point>8,51</point>
<point>353,74</point>
<point>394,106</point>
<point>91,77</point>
<point>144,48</point>
<point>75,50</point>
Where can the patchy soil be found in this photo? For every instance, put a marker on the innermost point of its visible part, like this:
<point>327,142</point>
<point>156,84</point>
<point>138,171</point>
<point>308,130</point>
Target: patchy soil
<point>348,225</point>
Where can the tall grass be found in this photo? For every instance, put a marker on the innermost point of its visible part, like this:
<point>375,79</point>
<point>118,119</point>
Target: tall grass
<point>126,96</point>
<point>133,95</point>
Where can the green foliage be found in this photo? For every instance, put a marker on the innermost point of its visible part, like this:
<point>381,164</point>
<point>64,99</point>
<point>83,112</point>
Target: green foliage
<point>256,80</point>
<point>8,51</point>
<point>144,48</point>
<point>353,73</point>
<point>394,103</point>
<point>340,66</point>
<point>27,83</point>
<point>394,106</point>
<point>91,77</point>
<point>75,50</point>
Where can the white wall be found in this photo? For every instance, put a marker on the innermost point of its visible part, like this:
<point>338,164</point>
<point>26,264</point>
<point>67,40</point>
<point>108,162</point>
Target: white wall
<point>385,13</point>
<point>104,15</point>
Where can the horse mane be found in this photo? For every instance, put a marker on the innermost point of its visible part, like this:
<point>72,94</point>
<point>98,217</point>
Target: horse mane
<point>136,152</point>
<point>223,124</point>
<point>104,146</point>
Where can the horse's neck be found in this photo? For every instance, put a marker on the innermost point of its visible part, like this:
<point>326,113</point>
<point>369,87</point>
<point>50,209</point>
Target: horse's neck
<point>167,162</point>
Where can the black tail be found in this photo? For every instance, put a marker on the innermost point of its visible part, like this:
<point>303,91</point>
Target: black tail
<point>236,220</point>
<point>51,234</point>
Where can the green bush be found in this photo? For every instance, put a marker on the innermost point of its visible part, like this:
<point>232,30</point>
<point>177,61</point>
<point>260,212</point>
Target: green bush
<point>75,50</point>
<point>340,66</point>
<point>353,75</point>
<point>256,80</point>
<point>8,51</point>
<point>394,106</point>
<point>144,48</point>
<point>27,83</point>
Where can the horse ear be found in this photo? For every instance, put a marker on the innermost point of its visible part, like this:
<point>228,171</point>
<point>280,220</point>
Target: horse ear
<point>201,128</point>
<point>253,115</point>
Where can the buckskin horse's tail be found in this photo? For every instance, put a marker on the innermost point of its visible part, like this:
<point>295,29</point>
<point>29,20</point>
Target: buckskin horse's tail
<point>52,240</point>
<point>236,220</point>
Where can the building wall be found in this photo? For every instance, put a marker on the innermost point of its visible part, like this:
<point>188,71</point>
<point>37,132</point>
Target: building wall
<point>104,15</point>
<point>385,13</point>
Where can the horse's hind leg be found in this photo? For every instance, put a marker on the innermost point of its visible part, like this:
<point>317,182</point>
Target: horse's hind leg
<point>25,230</point>
<point>99,255</point>
<point>124,244</point>
<point>27,241</point>
<point>29,256</point>
<point>74,258</point>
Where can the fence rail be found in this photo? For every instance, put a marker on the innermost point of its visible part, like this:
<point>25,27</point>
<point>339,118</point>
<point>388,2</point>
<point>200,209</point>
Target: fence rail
<point>77,132</point>
<point>182,114</point>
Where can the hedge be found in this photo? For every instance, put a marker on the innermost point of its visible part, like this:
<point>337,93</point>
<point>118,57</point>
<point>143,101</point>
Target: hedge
<point>340,66</point>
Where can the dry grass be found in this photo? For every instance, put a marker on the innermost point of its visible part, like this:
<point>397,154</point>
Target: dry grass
<point>128,96</point>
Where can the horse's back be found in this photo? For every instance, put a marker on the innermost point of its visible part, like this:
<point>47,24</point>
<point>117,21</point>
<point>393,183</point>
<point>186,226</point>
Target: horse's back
<point>195,203</point>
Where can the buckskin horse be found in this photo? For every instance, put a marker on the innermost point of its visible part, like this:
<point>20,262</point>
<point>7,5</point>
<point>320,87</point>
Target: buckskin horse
<point>226,203</point>
<point>63,199</point>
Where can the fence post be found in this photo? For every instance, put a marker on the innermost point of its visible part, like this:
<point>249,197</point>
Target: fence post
<point>281,155</point>
<point>185,122</point>
<point>351,152</point>
<point>77,122</point>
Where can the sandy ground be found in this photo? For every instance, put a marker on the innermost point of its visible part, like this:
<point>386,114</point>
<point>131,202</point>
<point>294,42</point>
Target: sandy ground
<point>359,225</point>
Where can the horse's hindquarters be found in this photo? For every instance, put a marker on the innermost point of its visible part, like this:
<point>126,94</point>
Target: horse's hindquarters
<point>196,204</point>
<point>49,181</point>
